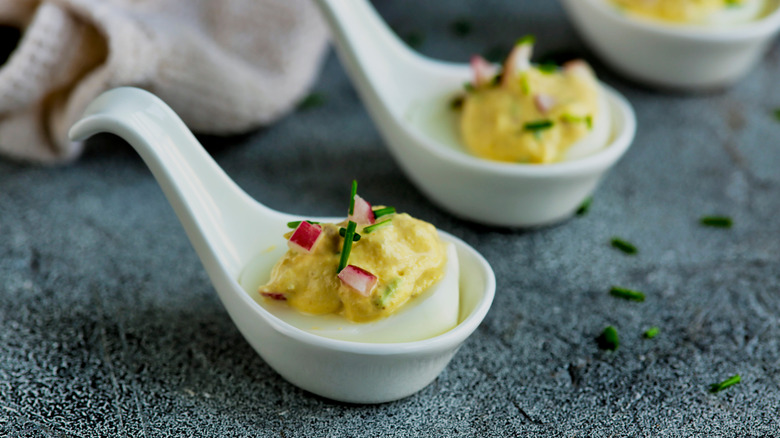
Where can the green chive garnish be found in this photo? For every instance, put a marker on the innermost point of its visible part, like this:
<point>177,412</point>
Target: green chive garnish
<point>627,294</point>
<point>349,235</point>
<point>379,212</point>
<point>717,387</point>
<point>651,332</point>
<point>539,125</point>
<point>548,68</point>
<point>716,221</point>
<point>525,86</point>
<point>585,206</point>
<point>381,300</point>
<point>295,224</point>
<point>376,226</point>
<point>528,39</point>
<point>343,233</point>
<point>352,197</point>
<point>777,114</point>
<point>469,87</point>
<point>461,27</point>
<point>313,100</point>
<point>608,339</point>
<point>626,247</point>
<point>457,102</point>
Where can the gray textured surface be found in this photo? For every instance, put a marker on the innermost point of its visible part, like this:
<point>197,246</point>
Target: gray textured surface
<point>109,327</point>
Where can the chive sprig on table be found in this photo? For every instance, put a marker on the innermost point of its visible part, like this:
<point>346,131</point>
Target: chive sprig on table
<point>623,245</point>
<point>716,221</point>
<point>628,294</point>
<point>720,386</point>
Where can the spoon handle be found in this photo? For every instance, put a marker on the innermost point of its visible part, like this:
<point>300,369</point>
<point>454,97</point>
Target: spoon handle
<point>208,203</point>
<point>378,62</point>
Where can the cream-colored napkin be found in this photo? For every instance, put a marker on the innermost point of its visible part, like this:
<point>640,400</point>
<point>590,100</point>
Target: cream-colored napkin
<point>225,66</point>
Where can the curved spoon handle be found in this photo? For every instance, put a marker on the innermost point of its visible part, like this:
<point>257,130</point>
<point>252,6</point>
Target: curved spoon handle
<point>208,203</point>
<point>378,62</point>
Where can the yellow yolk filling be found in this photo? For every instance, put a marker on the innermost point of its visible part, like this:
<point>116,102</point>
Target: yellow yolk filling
<point>407,257</point>
<point>681,11</point>
<point>502,122</point>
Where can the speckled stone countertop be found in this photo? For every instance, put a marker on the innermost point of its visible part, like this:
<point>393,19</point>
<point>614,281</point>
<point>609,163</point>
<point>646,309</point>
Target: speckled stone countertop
<point>110,327</point>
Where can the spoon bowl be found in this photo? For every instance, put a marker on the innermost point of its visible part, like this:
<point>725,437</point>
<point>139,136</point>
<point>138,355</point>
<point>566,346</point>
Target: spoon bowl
<point>408,97</point>
<point>229,230</point>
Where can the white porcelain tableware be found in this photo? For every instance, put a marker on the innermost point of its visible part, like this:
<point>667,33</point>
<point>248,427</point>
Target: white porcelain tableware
<point>229,230</point>
<point>408,97</point>
<point>675,56</point>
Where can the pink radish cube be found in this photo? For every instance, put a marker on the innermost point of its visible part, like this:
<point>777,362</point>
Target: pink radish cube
<point>483,71</point>
<point>544,102</point>
<point>305,237</point>
<point>362,281</point>
<point>274,295</point>
<point>519,60</point>
<point>362,214</point>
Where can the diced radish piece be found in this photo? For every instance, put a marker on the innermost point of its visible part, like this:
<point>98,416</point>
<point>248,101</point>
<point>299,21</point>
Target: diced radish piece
<point>580,68</point>
<point>483,71</point>
<point>305,237</point>
<point>544,102</point>
<point>274,295</point>
<point>519,60</point>
<point>362,281</point>
<point>363,214</point>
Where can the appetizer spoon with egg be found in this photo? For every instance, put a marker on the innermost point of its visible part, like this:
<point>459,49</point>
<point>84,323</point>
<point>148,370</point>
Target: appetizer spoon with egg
<point>409,98</point>
<point>678,44</point>
<point>238,240</point>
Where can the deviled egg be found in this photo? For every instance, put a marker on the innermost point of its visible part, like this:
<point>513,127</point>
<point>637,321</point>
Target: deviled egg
<point>378,276</point>
<point>533,114</point>
<point>695,12</point>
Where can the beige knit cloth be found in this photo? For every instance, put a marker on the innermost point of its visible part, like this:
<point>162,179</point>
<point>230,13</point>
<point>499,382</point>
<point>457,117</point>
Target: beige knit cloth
<point>224,66</point>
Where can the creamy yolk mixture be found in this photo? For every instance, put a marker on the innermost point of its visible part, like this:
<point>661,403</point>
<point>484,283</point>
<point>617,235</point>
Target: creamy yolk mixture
<point>505,123</point>
<point>682,11</point>
<point>407,257</point>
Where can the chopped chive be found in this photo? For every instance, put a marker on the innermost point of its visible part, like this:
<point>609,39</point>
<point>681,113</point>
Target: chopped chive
<point>608,339</point>
<point>628,294</point>
<point>528,39</point>
<point>469,87</point>
<point>732,3</point>
<point>295,224</point>
<point>376,226</point>
<point>313,100</point>
<point>589,122</point>
<point>651,332</point>
<point>347,248</point>
<point>717,387</point>
<point>547,67</point>
<point>343,233</point>
<point>716,221</point>
<point>381,300</point>
<point>461,27</point>
<point>353,192</point>
<point>525,86</point>
<point>538,125</point>
<point>457,102</point>
<point>625,246</point>
<point>585,206</point>
<point>777,114</point>
<point>379,212</point>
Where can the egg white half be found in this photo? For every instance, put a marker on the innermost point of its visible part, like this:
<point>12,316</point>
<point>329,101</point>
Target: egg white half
<point>598,137</point>
<point>431,313</point>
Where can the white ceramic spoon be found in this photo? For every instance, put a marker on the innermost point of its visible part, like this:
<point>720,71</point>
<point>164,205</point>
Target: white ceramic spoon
<point>408,96</point>
<point>229,230</point>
